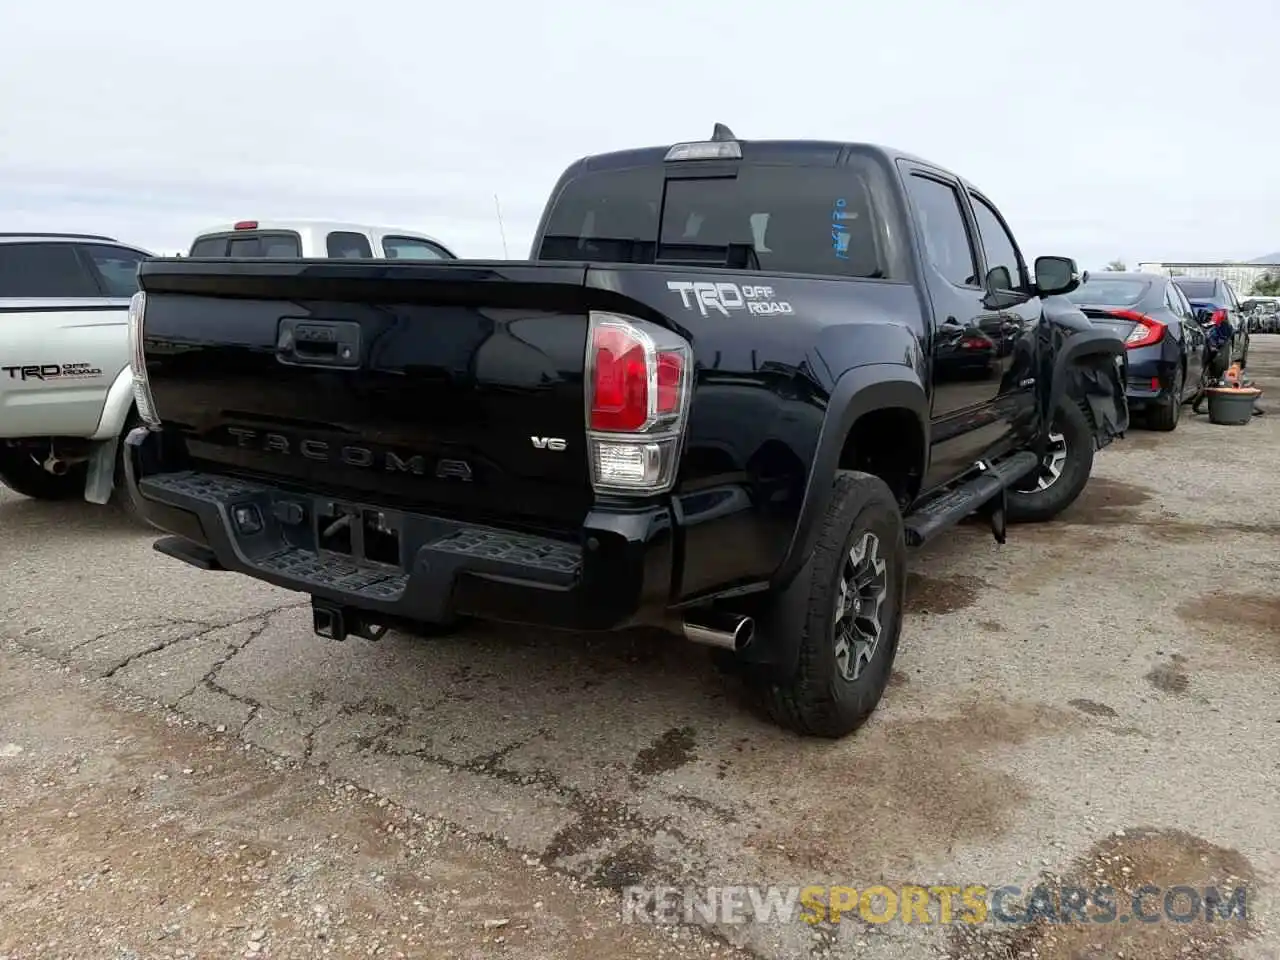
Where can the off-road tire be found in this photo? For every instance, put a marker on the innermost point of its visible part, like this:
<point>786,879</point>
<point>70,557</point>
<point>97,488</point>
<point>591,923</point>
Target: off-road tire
<point>1166,414</point>
<point>1038,506</point>
<point>21,474</point>
<point>816,700</point>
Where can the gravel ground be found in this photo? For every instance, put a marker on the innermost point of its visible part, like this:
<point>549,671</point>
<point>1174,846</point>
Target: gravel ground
<point>185,770</point>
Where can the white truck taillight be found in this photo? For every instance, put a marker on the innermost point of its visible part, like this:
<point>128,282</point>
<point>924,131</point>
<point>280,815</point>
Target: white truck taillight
<point>639,381</point>
<point>138,364</point>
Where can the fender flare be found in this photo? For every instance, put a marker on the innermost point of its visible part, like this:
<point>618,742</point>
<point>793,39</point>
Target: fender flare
<point>115,410</point>
<point>1086,343</point>
<point>876,386</point>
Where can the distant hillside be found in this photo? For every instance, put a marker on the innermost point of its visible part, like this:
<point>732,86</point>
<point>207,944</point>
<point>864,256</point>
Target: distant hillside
<point>1269,258</point>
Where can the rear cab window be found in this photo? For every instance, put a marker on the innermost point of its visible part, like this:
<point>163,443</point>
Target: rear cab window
<point>1104,292</point>
<point>249,244</point>
<point>1196,288</point>
<point>36,271</point>
<point>774,218</point>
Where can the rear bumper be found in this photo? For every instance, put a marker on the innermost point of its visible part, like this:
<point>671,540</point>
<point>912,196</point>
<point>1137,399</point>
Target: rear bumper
<point>617,573</point>
<point>1149,377</point>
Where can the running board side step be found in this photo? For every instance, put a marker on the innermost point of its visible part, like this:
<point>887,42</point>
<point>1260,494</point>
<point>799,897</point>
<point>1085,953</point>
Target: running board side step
<point>987,489</point>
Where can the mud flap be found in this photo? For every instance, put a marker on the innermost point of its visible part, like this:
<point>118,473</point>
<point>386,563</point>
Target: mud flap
<point>996,513</point>
<point>102,471</point>
<point>1102,389</point>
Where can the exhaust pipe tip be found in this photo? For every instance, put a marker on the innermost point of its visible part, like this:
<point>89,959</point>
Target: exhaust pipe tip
<point>56,466</point>
<point>725,631</point>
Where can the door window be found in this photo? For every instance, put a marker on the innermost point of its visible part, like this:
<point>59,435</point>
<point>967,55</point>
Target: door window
<point>941,221</point>
<point>414,248</point>
<point>997,245</point>
<point>32,271</point>
<point>116,268</point>
<point>346,245</point>
<point>1183,303</point>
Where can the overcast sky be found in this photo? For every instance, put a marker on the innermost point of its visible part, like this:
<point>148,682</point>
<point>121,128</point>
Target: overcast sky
<point>1128,128</point>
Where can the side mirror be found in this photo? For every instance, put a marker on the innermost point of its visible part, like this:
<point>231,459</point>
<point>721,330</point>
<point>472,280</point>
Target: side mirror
<point>1057,275</point>
<point>999,280</point>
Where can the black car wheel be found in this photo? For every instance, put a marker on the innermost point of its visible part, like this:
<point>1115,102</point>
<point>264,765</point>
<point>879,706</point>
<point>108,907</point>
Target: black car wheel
<point>1168,409</point>
<point>851,618</point>
<point>1063,472</point>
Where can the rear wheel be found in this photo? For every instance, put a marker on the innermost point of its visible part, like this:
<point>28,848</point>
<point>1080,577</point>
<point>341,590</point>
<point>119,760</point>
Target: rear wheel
<point>850,622</point>
<point>1063,472</point>
<point>1166,413</point>
<point>22,473</point>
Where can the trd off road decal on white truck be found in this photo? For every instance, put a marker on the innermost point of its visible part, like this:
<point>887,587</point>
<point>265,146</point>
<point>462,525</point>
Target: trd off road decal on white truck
<point>727,297</point>
<point>52,371</point>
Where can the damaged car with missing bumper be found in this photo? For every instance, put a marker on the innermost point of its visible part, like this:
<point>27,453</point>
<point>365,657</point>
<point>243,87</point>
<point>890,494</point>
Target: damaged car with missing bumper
<point>724,396</point>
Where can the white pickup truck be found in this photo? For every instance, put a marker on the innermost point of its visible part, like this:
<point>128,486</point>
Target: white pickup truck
<point>66,391</point>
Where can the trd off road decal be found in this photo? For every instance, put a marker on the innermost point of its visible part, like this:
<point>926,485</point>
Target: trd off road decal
<point>726,298</point>
<point>52,371</point>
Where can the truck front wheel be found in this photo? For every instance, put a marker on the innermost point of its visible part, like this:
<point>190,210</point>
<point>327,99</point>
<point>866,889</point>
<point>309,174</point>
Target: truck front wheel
<point>1062,474</point>
<point>848,615</point>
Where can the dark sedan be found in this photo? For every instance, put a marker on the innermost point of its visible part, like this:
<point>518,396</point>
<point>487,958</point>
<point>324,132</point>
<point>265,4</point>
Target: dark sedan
<point>1214,302</point>
<point>1164,343</point>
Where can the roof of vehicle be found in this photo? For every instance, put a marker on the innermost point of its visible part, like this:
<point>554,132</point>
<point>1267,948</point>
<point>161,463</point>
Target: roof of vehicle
<point>28,237</point>
<point>773,151</point>
<point>1125,275</point>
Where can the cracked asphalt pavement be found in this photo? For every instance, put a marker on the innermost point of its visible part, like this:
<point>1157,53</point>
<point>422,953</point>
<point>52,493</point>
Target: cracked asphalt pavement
<point>1101,690</point>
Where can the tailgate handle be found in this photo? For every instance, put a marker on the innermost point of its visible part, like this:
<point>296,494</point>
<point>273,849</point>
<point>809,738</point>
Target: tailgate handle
<point>318,343</point>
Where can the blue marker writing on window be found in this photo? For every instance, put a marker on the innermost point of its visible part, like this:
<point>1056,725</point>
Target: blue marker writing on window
<point>839,235</point>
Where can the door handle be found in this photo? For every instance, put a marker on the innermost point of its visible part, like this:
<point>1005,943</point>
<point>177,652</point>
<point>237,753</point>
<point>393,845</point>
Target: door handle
<point>318,343</point>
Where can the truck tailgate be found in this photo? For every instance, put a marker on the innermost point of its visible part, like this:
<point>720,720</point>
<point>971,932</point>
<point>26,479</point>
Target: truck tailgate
<point>457,387</point>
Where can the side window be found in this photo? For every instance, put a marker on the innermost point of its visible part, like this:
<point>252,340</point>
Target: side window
<point>940,219</point>
<point>1186,304</point>
<point>116,267</point>
<point>413,248</point>
<point>44,270</point>
<point>344,245</point>
<point>1000,250</point>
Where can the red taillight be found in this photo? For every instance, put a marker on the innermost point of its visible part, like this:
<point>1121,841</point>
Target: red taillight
<point>1146,330</point>
<point>670,376</point>
<point>247,225</point>
<point>637,380</point>
<point>620,394</point>
<point>1219,316</point>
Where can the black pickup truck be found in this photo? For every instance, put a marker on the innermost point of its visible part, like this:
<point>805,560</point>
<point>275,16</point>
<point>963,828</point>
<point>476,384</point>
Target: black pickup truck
<point>733,383</point>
